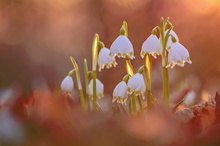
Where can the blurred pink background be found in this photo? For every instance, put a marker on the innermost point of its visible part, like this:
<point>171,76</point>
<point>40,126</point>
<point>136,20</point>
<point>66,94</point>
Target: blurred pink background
<point>38,36</point>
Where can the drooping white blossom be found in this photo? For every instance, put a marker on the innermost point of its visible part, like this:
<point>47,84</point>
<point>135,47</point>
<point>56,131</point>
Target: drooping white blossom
<point>152,46</point>
<point>120,92</point>
<point>169,41</point>
<point>122,47</point>
<point>67,84</point>
<point>99,88</point>
<point>136,84</point>
<point>104,59</point>
<point>178,54</point>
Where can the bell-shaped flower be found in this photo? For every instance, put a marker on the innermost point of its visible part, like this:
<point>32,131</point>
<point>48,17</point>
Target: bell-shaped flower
<point>136,84</point>
<point>67,84</point>
<point>120,93</point>
<point>104,59</point>
<point>99,88</point>
<point>178,54</point>
<point>169,41</point>
<point>122,47</point>
<point>152,46</point>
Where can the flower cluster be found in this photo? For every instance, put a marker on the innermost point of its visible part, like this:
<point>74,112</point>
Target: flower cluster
<point>165,44</point>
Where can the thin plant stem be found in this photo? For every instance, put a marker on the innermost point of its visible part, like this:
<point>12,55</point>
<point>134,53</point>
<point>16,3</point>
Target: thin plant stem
<point>86,75</point>
<point>148,74</point>
<point>166,99</point>
<point>94,67</point>
<point>133,103</point>
<point>140,103</point>
<point>129,67</point>
<point>78,83</point>
<point>94,90</point>
<point>165,74</point>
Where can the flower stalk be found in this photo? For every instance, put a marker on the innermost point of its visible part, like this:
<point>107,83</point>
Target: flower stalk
<point>81,95</point>
<point>148,74</point>
<point>133,104</point>
<point>129,68</point>
<point>86,76</point>
<point>165,74</point>
<point>94,67</point>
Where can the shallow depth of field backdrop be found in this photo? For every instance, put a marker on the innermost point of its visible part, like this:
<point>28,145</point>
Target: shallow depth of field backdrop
<point>38,36</point>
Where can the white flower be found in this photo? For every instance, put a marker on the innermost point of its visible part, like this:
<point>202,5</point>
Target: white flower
<point>99,88</point>
<point>178,54</point>
<point>170,42</point>
<point>67,84</point>
<point>122,47</point>
<point>104,59</point>
<point>152,46</point>
<point>120,92</point>
<point>136,84</point>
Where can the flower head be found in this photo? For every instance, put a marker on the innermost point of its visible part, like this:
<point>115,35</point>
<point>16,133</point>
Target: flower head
<point>170,42</point>
<point>122,47</point>
<point>67,84</point>
<point>178,54</point>
<point>136,84</point>
<point>152,46</point>
<point>120,92</point>
<point>104,59</point>
<point>99,88</point>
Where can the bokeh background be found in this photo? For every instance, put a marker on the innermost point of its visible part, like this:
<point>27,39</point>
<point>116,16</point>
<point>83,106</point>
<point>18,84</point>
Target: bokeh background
<point>38,36</point>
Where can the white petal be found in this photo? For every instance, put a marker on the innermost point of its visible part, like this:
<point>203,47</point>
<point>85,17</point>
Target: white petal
<point>120,90</point>
<point>170,42</point>
<point>122,47</point>
<point>104,59</point>
<point>152,46</point>
<point>178,54</point>
<point>99,88</point>
<point>67,84</point>
<point>136,83</point>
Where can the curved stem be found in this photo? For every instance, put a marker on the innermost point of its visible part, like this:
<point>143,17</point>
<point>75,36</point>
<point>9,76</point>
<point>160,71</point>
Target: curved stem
<point>78,83</point>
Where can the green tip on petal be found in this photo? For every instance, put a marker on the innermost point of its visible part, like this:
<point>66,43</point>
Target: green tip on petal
<point>122,31</point>
<point>141,69</point>
<point>173,39</point>
<point>101,45</point>
<point>71,73</point>
<point>154,31</point>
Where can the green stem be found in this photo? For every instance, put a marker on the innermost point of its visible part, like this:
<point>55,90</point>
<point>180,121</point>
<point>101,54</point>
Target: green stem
<point>125,25</point>
<point>94,67</point>
<point>81,95</point>
<point>166,99</point>
<point>140,103</point>
<point>150,101</point>
<point>94,91</point>
<point>86,76</point>
<point>78,83</point>
<point>148,74</point>
<point>129,67</point>
<point>165,74</point>
<point>133,104</point>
